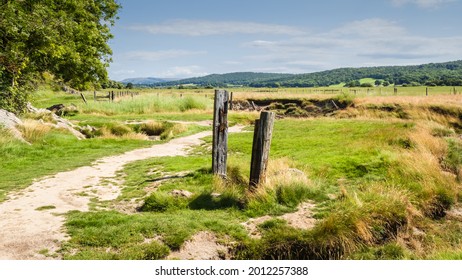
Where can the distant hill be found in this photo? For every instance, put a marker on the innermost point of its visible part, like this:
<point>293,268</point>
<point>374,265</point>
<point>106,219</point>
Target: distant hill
<point>447,73</point>
<point>146,81</point>
<point>236,79</point>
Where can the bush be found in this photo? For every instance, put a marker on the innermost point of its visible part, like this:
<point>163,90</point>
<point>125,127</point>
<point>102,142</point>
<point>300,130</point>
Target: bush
<point>13,99</point>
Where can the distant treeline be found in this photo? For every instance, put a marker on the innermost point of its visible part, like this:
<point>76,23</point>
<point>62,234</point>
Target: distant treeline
<point>433,74</point>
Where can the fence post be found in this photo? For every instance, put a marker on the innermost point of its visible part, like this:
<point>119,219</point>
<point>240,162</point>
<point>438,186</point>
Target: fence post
<point>220,133</point>
<point>83,98</point>
<point>261,147</point>
<point>94,95</point>
<point>426,91</point>
<point>231,101</point>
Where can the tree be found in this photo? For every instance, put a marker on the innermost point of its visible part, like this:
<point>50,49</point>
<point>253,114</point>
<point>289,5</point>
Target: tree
<point>378,82</point>
<point>129,86</point>
<point>66,38</point>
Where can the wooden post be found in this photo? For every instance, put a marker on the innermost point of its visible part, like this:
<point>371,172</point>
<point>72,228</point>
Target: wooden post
<point>112,97</point>
<point>426,91</point>
<point>261,147</point>
<point>231,101</point>
<point>220,133</point>
<point>395,90</point>
<point>94,95</point>
<point>83,97</point>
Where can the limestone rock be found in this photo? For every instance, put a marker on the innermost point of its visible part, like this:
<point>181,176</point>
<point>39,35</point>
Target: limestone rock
<point>60,122</point>
<point>10,121</point>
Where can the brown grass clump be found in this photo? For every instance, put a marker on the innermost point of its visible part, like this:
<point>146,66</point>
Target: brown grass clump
<point>152,128</point>
<point>33,131</point>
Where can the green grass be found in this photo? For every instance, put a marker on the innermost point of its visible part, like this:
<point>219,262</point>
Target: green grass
<point>373,181</point>
<point>350,149</point>
<point>376,182</point>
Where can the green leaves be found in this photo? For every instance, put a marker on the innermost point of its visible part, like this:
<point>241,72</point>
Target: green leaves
<point>67,38</point>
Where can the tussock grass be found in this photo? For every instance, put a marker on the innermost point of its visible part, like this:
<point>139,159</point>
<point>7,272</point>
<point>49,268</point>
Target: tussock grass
<point>34,131</point>
<point>5,136</point>
<point>152,128</point>
<point>285,187</point>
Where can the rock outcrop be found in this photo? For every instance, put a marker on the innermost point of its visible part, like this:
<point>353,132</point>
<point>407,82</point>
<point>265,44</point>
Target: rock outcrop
<point>60,122</point>
<point>10,121</point>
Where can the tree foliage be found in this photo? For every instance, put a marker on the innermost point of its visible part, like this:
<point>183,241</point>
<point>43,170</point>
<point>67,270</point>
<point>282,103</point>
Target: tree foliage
<point>67,38</point>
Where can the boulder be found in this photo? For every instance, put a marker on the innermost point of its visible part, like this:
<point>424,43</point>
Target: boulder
<point>60,122</point>
<point>62,110</point>
<point>10,121</point>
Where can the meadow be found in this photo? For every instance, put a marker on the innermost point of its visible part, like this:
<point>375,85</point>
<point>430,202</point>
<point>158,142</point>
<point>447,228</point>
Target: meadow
<point>383,175</point>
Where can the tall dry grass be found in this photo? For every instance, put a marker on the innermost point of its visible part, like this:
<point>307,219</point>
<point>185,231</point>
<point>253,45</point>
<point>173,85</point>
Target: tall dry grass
<point>33,130</point>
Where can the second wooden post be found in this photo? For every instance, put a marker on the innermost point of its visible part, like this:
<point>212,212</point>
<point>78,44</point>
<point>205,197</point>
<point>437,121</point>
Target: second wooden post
<point>261,147</point>
<point>220,133</point>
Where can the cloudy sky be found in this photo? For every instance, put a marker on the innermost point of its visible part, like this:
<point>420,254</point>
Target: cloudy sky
<point>184,38</point>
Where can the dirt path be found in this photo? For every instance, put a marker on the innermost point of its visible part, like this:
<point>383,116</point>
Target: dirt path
<point>31,221</point>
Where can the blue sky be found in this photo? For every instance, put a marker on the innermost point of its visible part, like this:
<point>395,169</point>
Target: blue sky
<point>179,39</point>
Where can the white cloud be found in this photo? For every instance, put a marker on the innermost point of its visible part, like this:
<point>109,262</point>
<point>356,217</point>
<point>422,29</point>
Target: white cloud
<point>182,72</point>
<point>375,27</point>
<point>208,28</point>
<point>123,72</point>
<point>428,4</point>
<point>161,55</point>
<point>358,43</point>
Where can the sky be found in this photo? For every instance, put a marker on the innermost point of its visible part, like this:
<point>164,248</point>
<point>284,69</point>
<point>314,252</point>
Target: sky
<point>185,38</point>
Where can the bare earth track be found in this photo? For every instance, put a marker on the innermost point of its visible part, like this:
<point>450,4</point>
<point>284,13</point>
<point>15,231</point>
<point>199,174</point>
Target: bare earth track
<point>31,221</point>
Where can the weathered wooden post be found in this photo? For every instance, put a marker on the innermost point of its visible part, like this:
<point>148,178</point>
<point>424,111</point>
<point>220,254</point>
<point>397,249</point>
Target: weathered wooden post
<point>231,101</point>
<point>220,133</point>
<point>94,95</point>
<point>83,98</point>
<point>426,91</point>
<point>395,91</point>
<point>261,147</point>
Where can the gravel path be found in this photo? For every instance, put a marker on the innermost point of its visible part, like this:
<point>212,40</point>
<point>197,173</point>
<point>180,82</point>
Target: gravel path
<point>31,221</point>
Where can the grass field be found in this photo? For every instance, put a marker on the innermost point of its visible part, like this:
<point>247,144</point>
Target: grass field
<point>382,174</point>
